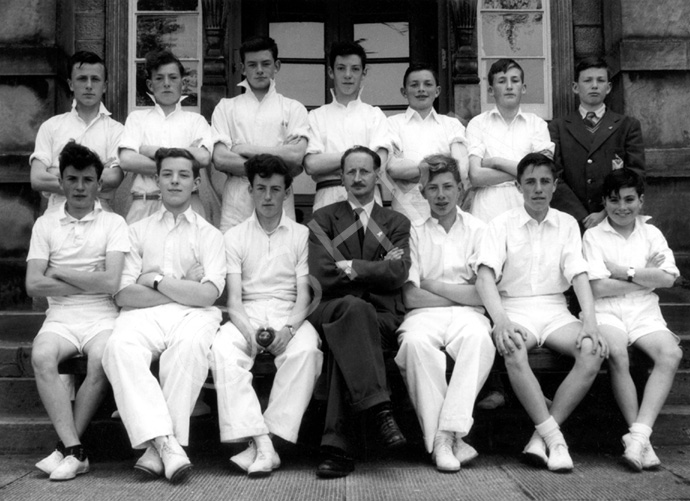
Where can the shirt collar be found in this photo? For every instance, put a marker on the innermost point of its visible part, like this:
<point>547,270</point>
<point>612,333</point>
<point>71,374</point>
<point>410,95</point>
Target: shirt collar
<point>459,220</point>
<point>255,220</point>
<point>351,103</point>
<point>189,215</point>
<point>157,107</point>
<point>599,112</point>
<point>525,218</point>
<point>67,218</point>
<point>367,208</point>
<point>411,114</point>
<point>494,112</point>
<point>245,84</point>
<point>102,110</point>
<point>639,220</point>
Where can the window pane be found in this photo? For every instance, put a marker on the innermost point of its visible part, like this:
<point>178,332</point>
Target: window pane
<point>534,78</point>
<point>384,39</point>
<point>512,35</point>
<point>382,84</point>
<point>176,5</point>
<point>190,85</point>
<point>304,40</point>
<point>175,33</point>
<point>512,4</point>
<point>304,82</point>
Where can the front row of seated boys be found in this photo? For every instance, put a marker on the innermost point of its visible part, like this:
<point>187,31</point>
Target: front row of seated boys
<point>333,294</point>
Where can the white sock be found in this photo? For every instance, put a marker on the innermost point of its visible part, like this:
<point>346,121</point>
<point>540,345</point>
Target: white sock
<point>263,443</point>
<point>640,432</point>
<point>550,432</point>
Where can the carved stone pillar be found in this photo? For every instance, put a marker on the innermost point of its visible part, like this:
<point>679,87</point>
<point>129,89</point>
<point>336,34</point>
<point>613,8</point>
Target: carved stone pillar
<point>214,83</point>
<point>464,60</point>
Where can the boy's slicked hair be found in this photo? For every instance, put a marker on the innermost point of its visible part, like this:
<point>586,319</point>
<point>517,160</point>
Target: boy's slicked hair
<point>591,62</point>
<point>535,160</point>
<point>346,49</point>
<point>80,157</point>
<point>361,149</point>
<point>502,66</point>
<point>439,164</point>
<point>265,166</point>
<point>257,44</point>
<point>157,58</point>
<point>419,67</point>
<point>163,153</point>
<point>618,179</point>
<point>86,57</point>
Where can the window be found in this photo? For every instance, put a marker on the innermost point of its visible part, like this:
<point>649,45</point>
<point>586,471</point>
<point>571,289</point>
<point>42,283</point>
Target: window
<point>175,25</point>
<point>520,30</point>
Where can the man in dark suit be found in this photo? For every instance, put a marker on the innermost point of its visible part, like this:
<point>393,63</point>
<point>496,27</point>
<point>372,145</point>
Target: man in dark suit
<point>359,256</point>
<point>590,143</point>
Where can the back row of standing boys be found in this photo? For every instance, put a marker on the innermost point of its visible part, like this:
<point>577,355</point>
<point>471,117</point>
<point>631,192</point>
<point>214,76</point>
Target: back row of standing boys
<point>360,278</point>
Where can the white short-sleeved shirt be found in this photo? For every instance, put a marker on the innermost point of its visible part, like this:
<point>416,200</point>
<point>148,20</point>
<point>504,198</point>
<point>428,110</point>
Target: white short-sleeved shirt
<point>448,257</point>
<point>152,127</point>
<point>102,135</point>
<point>603,243</point>
<point>246,120</point>
<point>530,258</point>
<point>335,128</point>
<point>78,244</point>
<point>414,138</point>
<point>161,244</point>
<point>269,264</point>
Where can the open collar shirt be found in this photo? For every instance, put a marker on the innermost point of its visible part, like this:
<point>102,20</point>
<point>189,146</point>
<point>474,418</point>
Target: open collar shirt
<point>531,258</point>
<point>170,247</point>
<point>414,137</point>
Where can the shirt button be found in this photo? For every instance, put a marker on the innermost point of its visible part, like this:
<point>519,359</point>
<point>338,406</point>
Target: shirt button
<point>590,181</point>
<point>589,160</point>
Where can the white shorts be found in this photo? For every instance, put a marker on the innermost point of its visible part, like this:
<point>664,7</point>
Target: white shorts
<point>636,315</point>
<point>80,323</point>
<point>540,315</point>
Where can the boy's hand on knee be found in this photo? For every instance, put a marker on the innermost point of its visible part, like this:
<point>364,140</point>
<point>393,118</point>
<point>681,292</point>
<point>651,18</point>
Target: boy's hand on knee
<point>508,338</point>
<point>599,345</point>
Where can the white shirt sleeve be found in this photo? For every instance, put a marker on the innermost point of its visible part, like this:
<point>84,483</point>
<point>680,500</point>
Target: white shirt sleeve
<point>595,256</point>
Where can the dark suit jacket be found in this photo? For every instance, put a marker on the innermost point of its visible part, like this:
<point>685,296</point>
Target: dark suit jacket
<point>333,237</point>
<point>583,162</point>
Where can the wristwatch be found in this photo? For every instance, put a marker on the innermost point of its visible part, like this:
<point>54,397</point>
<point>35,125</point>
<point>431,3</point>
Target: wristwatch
<point>291,329</point>
<point>631,274</point>
<point>157,280</point>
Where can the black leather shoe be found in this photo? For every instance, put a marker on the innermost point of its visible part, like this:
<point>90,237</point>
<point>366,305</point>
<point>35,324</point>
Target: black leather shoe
<point>334,464</point>
<point>389,434</point>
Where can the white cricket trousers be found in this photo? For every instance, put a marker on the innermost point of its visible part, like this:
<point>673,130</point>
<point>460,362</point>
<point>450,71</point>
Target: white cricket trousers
<point>466,335</point>
<point>180,338</point>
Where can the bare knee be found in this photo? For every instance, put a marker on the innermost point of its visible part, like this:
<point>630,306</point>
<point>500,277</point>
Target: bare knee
<point>587,360</point>
<point>43,361</point>
<point>669,358</point>
<point>516,361</point>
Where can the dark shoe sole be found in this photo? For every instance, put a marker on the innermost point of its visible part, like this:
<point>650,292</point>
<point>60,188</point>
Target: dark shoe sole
<point>332,474</point>
<point>148,471</point>
<point>181,474</point>
<point>395,445</point>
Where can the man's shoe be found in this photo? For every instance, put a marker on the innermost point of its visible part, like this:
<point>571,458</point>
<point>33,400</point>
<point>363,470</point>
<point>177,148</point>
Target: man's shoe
<point>175,460</point>
<point>389,434</point>
<point>632,456</point>
<point>264,464</point>
<point>335,463</point>
<point>244,459</point>
<point>442,455</point>
<point>535,451</point>
<point>51,462</point>
<point>649,458</point>
<point>69,468</point>
<point>463,451</point>
<point>559,459</point>
<point>151,462</point>
<point>493,400</point>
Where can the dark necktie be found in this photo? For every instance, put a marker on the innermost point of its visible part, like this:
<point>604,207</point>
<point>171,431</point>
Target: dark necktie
<point>360,226</point>
<point>591,121</point>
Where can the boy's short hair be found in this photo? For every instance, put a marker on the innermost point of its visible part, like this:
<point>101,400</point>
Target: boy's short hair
<point>439,164</point>
<point>163,153</point>
<point>419,67</point>
<point>257,44</point>
<point>361,149</point>
<point>346,49</point>
<point>535,160</point>
<point>85,57</point>
<point>618,179</point>
<point>265,166</point>
<point>502,66</point>
<point>157,58</point>
<point>80,157</point>
<point>591,62</point>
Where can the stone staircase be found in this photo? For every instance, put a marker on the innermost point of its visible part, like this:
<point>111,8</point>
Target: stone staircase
<point>25,427</point>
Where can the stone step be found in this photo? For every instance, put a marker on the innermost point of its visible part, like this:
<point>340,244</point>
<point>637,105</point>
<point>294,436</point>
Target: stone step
<point>672,427</point>
<point>19,396</point>
<point>680,391</point>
